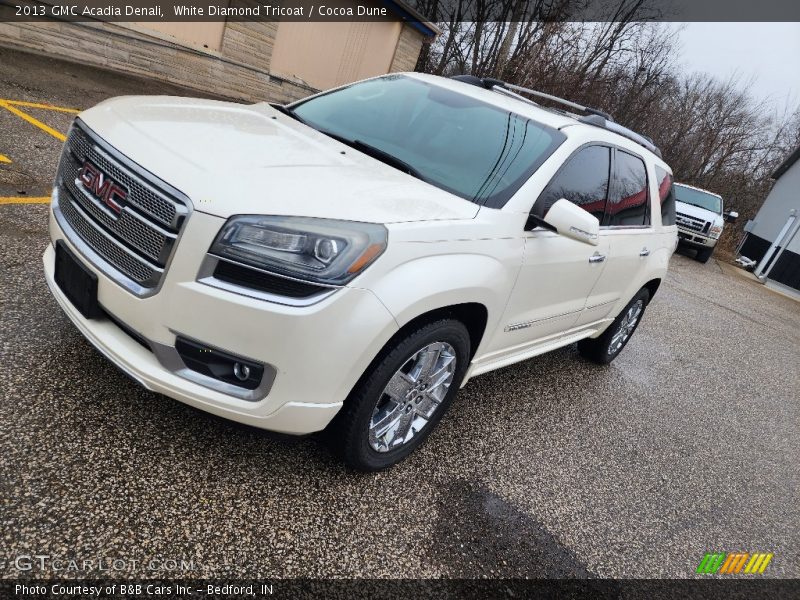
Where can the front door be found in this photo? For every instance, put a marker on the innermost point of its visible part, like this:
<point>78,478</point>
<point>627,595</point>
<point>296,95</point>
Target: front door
<point>559,274</point>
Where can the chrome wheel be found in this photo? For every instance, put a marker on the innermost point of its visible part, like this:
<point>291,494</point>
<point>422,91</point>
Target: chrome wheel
<point>414,393</point>
<point>626,327</point>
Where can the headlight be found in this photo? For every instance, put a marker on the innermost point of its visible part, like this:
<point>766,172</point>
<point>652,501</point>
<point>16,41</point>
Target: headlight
<point>317,250</point>
<point>715,231</point>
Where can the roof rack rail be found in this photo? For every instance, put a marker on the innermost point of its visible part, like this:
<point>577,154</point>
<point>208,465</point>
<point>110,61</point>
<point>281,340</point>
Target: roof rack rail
<point>595,117</point>
<point>489,82</point>
<point>639,138</point>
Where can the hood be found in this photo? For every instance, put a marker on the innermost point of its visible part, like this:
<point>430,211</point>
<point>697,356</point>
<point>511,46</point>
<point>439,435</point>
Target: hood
<point>698,213</point>
<point>237,159</point>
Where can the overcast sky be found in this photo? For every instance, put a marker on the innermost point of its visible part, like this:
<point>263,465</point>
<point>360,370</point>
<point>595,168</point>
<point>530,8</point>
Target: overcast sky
<point>769,52</point>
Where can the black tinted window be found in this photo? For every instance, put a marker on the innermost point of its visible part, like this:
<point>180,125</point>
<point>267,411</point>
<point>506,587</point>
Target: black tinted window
<point>629,205</point>
<point>667,197</point>
<point>583,180</point>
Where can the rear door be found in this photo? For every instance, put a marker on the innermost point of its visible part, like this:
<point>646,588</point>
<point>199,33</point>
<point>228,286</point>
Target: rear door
<point>627,227</point>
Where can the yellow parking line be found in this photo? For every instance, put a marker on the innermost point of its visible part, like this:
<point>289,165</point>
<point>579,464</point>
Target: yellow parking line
<point>4,159</point>
<point>25,200</point>
<point>40,105</point>
<point>59,136</point>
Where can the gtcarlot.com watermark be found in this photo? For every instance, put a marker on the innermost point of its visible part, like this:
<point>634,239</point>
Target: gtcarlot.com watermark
<point>99,565</point>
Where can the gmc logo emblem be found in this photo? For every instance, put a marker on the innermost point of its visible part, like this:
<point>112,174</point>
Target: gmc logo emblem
<point>102,187</point>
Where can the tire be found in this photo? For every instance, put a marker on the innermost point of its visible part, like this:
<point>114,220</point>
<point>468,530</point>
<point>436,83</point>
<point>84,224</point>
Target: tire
<point>607,347</point>
<point>364,434</point>
<point>704,254</point>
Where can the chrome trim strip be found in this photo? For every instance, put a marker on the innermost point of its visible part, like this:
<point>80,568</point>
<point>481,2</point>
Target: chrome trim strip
<point>205,276</point>
<point>170,235</point>
<point>626,227</point>
<point>526,324</point>
<point>601,304</point>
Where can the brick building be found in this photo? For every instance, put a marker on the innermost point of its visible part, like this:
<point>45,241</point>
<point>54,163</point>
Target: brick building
<point>244,60</point>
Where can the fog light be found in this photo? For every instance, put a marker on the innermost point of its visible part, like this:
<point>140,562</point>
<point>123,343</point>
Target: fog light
<point>220,365</point>
<point>242,372</point>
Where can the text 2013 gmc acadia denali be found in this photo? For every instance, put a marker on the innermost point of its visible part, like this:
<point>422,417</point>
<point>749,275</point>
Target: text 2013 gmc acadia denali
<point>349,261</point>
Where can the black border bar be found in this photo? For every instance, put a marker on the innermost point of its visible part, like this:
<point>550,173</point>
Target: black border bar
<point>416,11</point>
<point>652,589</point>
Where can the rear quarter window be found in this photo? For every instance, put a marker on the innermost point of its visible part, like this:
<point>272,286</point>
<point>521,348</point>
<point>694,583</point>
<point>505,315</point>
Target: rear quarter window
<point>666,195</point>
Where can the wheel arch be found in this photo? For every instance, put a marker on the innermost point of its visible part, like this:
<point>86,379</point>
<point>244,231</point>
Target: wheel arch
<point>652,286</point>
<point>474,316</point>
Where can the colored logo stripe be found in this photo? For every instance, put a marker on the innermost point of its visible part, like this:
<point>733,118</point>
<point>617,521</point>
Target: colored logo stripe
<point>758,563</point>
<point>733,562</point>
<point>711,562</point>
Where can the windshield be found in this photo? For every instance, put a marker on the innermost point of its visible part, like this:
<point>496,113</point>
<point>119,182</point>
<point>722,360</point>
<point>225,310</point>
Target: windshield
<point>698,198</point>
<point>467,147</point>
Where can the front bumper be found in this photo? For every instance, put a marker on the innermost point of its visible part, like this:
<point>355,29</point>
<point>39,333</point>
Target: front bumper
<point>318,352</point>
<point>688,237</point>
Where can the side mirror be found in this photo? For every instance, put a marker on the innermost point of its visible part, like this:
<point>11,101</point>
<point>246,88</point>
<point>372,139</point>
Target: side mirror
<point>730,217</point>
<point>569,220</point>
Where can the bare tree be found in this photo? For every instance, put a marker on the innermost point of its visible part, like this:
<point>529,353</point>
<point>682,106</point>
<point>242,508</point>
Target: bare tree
<point>712,133</point>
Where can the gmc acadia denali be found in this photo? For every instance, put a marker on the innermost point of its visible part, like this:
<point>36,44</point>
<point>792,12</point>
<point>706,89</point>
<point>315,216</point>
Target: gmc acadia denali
<point>347,262</point>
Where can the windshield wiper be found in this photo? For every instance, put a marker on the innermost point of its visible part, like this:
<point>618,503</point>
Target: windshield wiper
<point>389,159</point>
<point>381,155</point>
<point>288,112</point>
<point>372,151</point>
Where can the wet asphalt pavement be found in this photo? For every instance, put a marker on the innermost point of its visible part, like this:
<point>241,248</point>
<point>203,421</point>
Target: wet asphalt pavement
<point>686,444</point>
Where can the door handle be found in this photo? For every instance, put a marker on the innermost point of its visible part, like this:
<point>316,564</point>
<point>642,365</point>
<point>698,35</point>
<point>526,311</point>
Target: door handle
<point>597,258</point>
<point>644,252</point>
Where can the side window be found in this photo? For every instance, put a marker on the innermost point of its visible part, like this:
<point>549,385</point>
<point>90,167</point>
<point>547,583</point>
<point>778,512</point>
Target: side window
<point>667,196</point>
<point>629,205</point>
<point>583,180</point>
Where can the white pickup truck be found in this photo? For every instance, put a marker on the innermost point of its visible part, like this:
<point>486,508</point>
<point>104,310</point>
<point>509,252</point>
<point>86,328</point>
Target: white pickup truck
<point>349,261</point>
<point>700,219</point>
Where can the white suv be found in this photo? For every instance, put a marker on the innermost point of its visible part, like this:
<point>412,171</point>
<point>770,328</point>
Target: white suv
<point>349,261</point>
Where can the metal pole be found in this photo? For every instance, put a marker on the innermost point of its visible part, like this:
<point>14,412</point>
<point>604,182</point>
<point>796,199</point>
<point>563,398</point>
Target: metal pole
<point>761,271</point>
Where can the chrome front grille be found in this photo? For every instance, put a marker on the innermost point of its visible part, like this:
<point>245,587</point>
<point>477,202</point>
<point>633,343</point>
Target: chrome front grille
<point>128,226</point>
<point>106,246</point>
<point>132,246</point>
<point>693,223</point>
<point>141,195</point>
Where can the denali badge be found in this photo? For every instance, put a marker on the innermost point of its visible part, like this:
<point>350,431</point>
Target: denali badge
<point>102,187</point>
